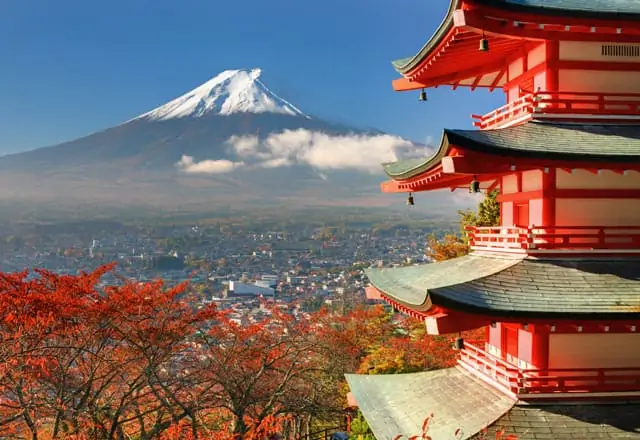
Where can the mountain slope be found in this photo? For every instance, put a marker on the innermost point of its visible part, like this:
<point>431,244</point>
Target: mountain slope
<point>229,140</point>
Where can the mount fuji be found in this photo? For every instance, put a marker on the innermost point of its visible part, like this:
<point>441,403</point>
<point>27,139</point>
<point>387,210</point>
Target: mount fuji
<point>230,140</point>
<point>232,91</point>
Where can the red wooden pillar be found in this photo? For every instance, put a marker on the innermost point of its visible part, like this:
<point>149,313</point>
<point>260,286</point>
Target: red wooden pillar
<point>540,347</point>
<point>549,197</point>
<point>551,73</point>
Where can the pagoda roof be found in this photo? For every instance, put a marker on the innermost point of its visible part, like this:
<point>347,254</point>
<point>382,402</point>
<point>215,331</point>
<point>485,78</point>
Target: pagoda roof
<point>495,285</point>
<point>602,9</point>
<point>589,421</point>
<point>396,404</point>
<point>534,139</point>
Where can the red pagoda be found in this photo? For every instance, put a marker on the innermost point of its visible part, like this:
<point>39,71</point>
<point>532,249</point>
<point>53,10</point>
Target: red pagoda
<point>557,284</point>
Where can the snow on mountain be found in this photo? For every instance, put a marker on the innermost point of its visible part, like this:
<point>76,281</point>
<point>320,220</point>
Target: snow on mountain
<point>232,91</point>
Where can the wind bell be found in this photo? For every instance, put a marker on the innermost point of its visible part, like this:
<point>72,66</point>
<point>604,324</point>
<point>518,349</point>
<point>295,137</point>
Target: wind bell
<point>410,201</point>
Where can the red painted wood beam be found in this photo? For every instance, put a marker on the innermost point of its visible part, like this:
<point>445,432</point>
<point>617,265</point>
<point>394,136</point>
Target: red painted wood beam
<point>457,72</point>
<point>446,324</point>
<point>405,85</point>
<point>477,21</point>
<point>474,84</point>
<point>494,185</point>
<point>444,42</point>
<point>526,75</point>
<point>497,80</point>
<point>446,321</point>
<point>521,197</point>
<point>473,163</point>
<point>550,194</point>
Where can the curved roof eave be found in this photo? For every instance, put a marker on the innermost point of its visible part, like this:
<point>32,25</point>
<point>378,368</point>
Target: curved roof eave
<point>405,65</point>
<point>406,169</point>
<point>611,9</point>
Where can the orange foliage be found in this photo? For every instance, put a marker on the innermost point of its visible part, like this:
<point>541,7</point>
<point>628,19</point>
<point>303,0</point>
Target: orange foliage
<point>78,361</point>
<point>449,247</point>
<point>409,349</point>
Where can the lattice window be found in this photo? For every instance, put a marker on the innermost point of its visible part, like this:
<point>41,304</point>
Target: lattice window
<point>620,50</point>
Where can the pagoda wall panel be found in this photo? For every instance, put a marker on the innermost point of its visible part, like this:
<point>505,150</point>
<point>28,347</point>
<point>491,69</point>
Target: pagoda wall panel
<point>598,212</point>
<point>540,81</point>
<point>598,81</point>
<point>531,180</point>
<point>536,56</point>
<point>516,68</point>
<point>507,214</point>
<point>535,213</point>
<point>494,344</point>
<point>591,51</point>
<point>605,179</point>
<point>612,350</point>
<point>510,184</point>
<point>519,80</point>
<point>525,349</point>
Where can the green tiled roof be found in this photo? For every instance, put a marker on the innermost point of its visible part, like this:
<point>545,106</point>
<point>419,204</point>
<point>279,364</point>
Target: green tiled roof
<point>592,422</point>
<point>524,288</point>
<point>617,143</point>
<point>409,284</point>
<point>624,9</point>
<point>395,404</point>
<point>575,7</point>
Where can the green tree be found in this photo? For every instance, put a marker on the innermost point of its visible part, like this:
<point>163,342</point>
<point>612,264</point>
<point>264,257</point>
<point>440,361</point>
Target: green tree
<point>452,245</point>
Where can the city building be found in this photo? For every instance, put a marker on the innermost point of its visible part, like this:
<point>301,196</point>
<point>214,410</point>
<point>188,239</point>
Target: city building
<point>556,285</point>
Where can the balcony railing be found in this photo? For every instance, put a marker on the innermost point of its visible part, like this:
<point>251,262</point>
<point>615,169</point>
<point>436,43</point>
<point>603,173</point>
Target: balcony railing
<point>547,383</point>
<point>562,106</point>
<point>559,238</point>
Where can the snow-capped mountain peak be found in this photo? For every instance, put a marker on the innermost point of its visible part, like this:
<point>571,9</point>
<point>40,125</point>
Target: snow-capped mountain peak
<point>232,91</point>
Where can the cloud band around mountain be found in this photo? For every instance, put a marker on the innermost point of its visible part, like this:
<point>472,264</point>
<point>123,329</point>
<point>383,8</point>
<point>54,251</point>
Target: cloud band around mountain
<point>319,150</point>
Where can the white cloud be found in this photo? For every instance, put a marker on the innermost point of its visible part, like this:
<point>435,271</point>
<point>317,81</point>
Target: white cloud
<point>244,146</point>
<point>276,163</point>
<point>187,164</point>
<point>323,151</point>
<point>304,147</point>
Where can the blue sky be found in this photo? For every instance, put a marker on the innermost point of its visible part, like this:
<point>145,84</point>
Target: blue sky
<point>73,67</point>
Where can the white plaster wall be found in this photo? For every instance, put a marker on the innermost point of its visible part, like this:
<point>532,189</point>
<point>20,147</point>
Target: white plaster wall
<point>605,179</point>
<point>525,354</point>
<point>599,81</point>
<point>506,211</point>
<point>591,51</point>
<point>600,350</point>
<point>509,184</point>
<point>536,56</point>
<point>515,69</point>
<point>540,82</point>
<point>535,212</point>
<point>598,212</point>
<point>531,180</point>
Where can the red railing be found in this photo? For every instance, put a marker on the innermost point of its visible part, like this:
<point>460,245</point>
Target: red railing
<point>588,238</point>
<point>509,114</point>
<point>562,105</point>
<point>548,381</point>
